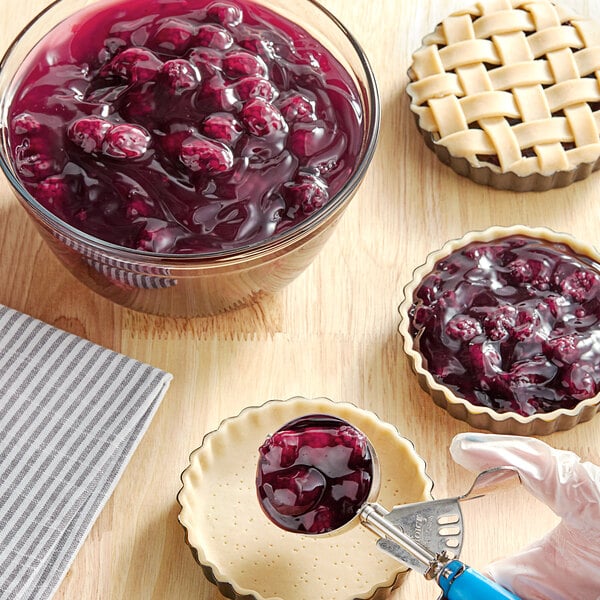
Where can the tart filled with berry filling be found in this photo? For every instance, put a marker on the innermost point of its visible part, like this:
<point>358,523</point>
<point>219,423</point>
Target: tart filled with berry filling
<point>184,127</point>
<point>503,328</point>
<point>313,465</point>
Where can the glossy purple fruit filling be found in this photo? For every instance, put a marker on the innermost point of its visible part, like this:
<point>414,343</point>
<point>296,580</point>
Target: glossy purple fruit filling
<point>185,126</point>
<point>314,474</point>
<point>512,324</point>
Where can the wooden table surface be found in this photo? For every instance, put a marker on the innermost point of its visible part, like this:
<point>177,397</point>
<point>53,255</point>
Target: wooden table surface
<point>332,332</point>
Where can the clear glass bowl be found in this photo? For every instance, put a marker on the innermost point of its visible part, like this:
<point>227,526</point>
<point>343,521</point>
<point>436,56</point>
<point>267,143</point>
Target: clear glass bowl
<point>202,284</point>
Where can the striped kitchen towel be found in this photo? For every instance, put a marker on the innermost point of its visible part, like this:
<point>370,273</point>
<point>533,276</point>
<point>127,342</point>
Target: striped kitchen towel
<point>71,415</point>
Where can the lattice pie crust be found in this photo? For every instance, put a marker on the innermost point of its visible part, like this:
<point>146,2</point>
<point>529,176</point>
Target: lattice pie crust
<point>512,86</point>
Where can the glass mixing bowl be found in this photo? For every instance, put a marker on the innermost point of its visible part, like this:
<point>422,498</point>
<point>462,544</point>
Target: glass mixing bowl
<point>211,282</point>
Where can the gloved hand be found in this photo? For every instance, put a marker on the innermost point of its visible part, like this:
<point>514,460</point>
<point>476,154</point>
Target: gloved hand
<point>565,564</point>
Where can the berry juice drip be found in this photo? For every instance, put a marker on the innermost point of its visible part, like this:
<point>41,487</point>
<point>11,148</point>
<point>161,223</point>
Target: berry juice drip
<point>512,324</point>
<point>183,126</point>
<point>314,474</point>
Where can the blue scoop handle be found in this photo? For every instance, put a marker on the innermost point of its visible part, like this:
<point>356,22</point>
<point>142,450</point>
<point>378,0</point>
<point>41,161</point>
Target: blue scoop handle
<point>460,582</point>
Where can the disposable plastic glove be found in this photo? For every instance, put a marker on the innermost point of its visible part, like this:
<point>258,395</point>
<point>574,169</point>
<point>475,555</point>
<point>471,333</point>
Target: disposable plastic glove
<point>565,564</point>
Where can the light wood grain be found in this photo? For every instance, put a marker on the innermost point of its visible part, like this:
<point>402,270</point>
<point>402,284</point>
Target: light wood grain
<point>330,333</point>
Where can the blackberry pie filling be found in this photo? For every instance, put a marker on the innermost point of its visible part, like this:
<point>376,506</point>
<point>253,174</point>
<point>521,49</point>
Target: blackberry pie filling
<point>314,474</point>
<point>512,324</point>
<point>183,127</point>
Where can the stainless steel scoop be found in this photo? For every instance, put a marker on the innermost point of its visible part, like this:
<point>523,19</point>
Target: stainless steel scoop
<point>428,536</point>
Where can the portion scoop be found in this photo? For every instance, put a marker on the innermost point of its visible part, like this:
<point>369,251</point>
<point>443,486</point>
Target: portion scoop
<point>318,474</point>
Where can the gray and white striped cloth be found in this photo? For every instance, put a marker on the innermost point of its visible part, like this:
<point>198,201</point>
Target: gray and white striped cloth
<point>71,415</point>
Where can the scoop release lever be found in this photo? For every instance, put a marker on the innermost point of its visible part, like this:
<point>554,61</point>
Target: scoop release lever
<point>410,534</point>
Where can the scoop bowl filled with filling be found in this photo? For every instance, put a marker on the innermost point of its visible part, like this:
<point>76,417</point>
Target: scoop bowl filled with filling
<point>315,474</point>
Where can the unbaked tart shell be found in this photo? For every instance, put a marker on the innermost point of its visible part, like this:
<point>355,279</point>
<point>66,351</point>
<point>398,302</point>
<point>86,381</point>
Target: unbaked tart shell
<point>247,556</point>
<point>482,417</point>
